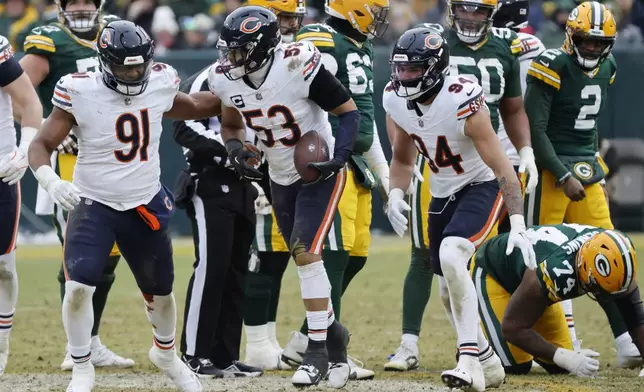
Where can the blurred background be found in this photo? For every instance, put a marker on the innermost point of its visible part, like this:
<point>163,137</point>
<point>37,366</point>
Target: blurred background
<point>185,32</point>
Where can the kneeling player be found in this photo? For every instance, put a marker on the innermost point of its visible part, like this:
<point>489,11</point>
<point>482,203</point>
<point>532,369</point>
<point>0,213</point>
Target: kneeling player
<point>520,308</point>
<point>116,195</point>
<point>283,92</point>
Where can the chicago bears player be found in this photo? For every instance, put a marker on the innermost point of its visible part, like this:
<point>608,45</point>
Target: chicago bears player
<point>445,118</point>
<point>116,195</point>
<point>16,87</point>
<point>282,92</point>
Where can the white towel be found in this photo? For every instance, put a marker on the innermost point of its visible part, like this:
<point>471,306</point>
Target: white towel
<point>44,203</point>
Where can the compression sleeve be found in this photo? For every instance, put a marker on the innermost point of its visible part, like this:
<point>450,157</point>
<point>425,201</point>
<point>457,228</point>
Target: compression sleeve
<point>631,308</point>
<point>10,70</point>
<point>327,91</point>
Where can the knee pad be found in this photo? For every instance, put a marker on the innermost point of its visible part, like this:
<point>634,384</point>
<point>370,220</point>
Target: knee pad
<point>454,253</point>
<point>520,369</point>
<point>314,281</point>
<point>77,294</point>
<point>8,266</point>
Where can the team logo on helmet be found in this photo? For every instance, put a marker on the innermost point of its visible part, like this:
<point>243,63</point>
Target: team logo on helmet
<point>250,25</point>
<point>583,170</point>
<point>106,39</point>
<point>602,265</point>
<point>573,14</point>
<point>433,41</point>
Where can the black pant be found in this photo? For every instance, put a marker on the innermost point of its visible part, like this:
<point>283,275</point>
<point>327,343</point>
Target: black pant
<point>222,213</point>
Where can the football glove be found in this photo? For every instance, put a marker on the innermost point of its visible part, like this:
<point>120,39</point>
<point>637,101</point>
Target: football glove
<point>13,166</point>
<point>527,162</point>
<point>327,169</point>
<point>518,238</point>
<point>581,363</point>
<point>395,208</point>
<point>262,205</point>
<point>238,156</point>
<point>64,193</point>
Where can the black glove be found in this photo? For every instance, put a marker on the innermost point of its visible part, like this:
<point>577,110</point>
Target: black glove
<point>238,157</point>
<point>327,169</point>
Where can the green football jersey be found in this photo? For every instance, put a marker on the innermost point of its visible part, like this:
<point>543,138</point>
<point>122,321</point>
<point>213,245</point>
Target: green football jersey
<point>355,72</point>
<point>493,63</point>
<point>577,99</point>
<point>556,248</point>
<point>65,53</point>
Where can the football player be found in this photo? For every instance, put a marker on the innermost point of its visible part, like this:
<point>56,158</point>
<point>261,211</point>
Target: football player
<point>347,51</point>
<point>116,195</point>
<point>445,118</point>
<point>563,121</point>
<point>14,88</point>
<point>520,307</point>
<point>282,92</point>
<point>66,46</point>
<point>263,282</point>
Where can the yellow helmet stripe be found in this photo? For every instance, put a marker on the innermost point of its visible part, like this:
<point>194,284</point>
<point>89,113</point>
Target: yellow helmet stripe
<point>628,261</point>
<point>597,15</point>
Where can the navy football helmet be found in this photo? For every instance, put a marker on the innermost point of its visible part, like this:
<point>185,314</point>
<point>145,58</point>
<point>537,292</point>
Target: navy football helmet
<point>512,14</point>
<point>125,53</point>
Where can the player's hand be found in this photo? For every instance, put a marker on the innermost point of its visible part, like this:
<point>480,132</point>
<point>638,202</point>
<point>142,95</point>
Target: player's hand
<point>527,162</point>
<point>68,145</point>
<point>327,169</point>
<point>262,205</point>
<point>239,157</point>
<point>574,189</point>
<point>581,363</point>
<point>64,193</point>
<point>519,239</point>
<point>254,162</point>
<point>417,175</point>
<point>13,166</point>
<point>395,208</point>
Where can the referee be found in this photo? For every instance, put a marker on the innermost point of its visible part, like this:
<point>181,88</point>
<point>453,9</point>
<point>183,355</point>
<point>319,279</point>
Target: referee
<point>221,209</point>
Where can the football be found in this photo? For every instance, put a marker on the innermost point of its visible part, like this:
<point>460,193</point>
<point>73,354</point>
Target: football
<point>310,148</point>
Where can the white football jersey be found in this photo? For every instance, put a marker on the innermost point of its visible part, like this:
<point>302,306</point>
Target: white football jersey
<point>439,133</point>
<point>7,130</point>
<point>280,111</point>
<point>118,137</point>
<point>531,47</point>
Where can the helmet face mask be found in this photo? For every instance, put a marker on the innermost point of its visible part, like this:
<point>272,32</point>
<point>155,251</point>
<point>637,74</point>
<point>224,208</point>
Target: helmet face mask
<point>368,17</point>
<point>379,26</point>
<point>290,14</point>
<point>472,19</point>
<point>290,24</point>
<point>80,17</point>
<point>237,62</point>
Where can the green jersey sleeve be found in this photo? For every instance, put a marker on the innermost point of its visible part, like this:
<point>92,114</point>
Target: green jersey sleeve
<point>319,35</point>
<point>513,78</point>
<point>40,41</point>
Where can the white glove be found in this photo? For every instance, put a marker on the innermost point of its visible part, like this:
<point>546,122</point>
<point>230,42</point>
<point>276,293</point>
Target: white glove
<point>395,207</point>
<point>62,192</point>
<point>68,145</point>
<point>418,176</point>
<point>581,363</point>
<point>262,205</point>
<point>13,166</point>
<point>382,171</point>
<point>527,162</point>
<point>519,238</point>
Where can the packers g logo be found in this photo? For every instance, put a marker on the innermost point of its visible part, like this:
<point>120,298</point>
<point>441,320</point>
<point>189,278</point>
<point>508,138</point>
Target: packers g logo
<point>106,39</point>
<point>602,265</point>
<point>433,41</point>
<point>250,25</point>
<point>583,170</point>
<point>573,14</point>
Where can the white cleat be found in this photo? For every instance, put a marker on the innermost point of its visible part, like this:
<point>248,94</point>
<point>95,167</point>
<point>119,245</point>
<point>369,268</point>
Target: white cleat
<point>4,352</point>
<point>265,356</point>
<point>493,371</point>
<point>101,357</point>
<point>468,375</point>
<point>406,358</point>
<point>82,378</point>
<point>295,349</point>
<point>358,372</point>
<point>167,361</point>
<point>628,356</point>
<point>338,375</point>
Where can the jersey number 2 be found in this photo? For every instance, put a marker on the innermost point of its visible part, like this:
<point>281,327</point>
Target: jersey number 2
<point>582,121</point>
<point>132,130</point>
<point>444,157</point>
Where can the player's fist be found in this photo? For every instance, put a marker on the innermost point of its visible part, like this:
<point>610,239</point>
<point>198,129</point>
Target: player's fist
<point>582,363</point>
<point>574,189</point>
<point>527,162</point>
<point>64,193</point>
<point>518,239</point>
<point>68,146</point>
<point>239,156</point>
<point>13,166</point>
<point>395,207</point>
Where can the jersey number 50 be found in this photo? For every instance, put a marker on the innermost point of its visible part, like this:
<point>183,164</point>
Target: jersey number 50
<point>138,136</point>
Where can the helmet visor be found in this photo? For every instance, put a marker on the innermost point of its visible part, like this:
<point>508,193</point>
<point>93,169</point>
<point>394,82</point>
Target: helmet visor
<point>234,61</point>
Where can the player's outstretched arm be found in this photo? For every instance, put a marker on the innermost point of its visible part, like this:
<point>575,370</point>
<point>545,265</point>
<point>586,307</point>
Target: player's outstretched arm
<point>404,156</point>
<point>24,95</point>
<point>196,106</point>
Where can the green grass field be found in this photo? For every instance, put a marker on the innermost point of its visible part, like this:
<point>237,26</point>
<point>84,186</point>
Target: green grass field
<point>371,310</point>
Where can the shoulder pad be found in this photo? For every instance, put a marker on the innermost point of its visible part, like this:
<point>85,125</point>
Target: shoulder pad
<point>171,75</point>
<point>303,57</point>
<point>434,26</point>
<point>467,94</point>
<point>40,40</point>
<point>531,46</point>
<point>510,37</point>
<point>319,34</point>
<point>388,95</point>
<point>548,67</point>
<point>6,51</point>
<point>65,89</point>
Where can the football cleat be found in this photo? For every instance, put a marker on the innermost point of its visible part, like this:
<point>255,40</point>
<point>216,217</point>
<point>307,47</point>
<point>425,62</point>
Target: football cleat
<point>314,367</point>
<point>167,361</point>
<point>493,371</point>
<point>82,378</point>
<point>240,369</point>
<point>628,356</point>
<point>405,358</point>
<point>4,352</point>
<point>295,349</point>
<point>265,356</point>
<point>202,367</point>
<point>468,375</point>
<point>358,372</point>
<point>338,375</point>
<point>101,357</point>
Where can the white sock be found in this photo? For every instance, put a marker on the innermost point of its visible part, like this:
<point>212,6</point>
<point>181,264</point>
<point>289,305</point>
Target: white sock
<point>409,338</point>
<point>78,319</point>
<point>330,312</point>
<point>454,253</point>
<point>161,311</point>
<point>318,323</point>
<point>271,329</point>
<point>256,334</point>
<point>623,339</point>
<point>8,290</point>
<point>570,320</point>
<point>447,305</point>
<point>485,351</point>
<point>314,284</point>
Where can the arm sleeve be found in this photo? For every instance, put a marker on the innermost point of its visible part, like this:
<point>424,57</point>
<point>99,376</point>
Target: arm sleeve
<point>193,135</point>
<point>631,308</point>
<point>538,100</point>
<point>327,91</point>
<point>375,156</point>
<point>10,69</point>
<point>62,97</point>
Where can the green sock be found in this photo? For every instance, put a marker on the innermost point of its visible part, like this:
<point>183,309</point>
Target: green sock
<point>615,319</point>
<point>335,263</point>
<point>278,263</point>
<point>257,294</point>
<point>416,291</point>
<point>99,300</point>
<point>356,263</point>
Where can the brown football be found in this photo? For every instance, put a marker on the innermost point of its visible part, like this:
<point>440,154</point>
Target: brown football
<point>310,148</point>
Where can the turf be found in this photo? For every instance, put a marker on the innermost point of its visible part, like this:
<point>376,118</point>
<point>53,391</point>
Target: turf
<point>371,310</point>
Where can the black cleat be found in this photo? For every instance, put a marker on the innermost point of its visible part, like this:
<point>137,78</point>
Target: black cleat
<point>202,367</point>
<point>314,367</point>
<point>240,369</point>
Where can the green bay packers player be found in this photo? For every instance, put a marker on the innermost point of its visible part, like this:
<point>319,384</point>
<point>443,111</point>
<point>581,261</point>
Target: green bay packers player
<point>492,57</point>
<point>520,308</point>
<point>270,254</point>
<point>51,52</point>
<point>566,93</point>
<point>345,43</point>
